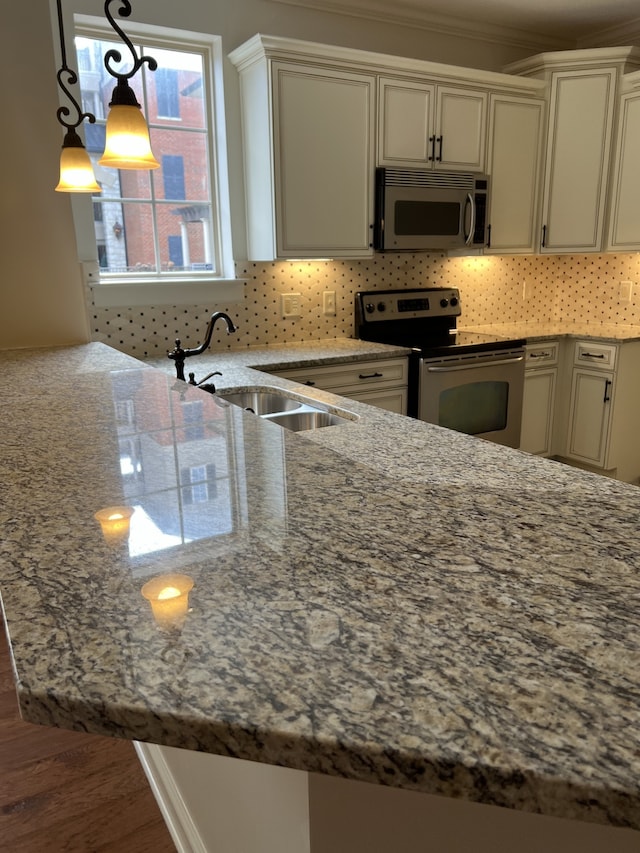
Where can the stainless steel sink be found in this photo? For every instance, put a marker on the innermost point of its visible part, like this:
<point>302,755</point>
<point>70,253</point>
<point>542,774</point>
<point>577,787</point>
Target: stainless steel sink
<point>307,419</point>
<point>261,402</point>
<point>294,413</point>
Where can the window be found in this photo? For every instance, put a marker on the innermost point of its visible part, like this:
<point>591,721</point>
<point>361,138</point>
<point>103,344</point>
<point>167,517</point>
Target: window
<point>167,92</point>
<point>163,225</point>
<point>173,176</point>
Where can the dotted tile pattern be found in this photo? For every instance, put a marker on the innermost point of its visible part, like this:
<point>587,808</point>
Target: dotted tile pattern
<point>569,288</point>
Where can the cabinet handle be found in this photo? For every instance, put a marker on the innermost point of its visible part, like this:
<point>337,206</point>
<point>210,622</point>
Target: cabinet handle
<point>591,355</point>
<point>309,382</point>
<point>607,385</point>
<point>540,355</point>
<point>439,157</point>
<point>488,236</point>
<point>371,375</point>
<point>544,236</point>
<point>432,141</point>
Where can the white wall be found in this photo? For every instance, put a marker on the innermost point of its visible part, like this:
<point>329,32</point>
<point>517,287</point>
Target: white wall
<point>41,296</point>
<point>41,293</point>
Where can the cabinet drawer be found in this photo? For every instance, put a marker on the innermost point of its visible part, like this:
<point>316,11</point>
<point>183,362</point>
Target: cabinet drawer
<point>380,373</point>
<point>541,355</point>
<point>595,354</point>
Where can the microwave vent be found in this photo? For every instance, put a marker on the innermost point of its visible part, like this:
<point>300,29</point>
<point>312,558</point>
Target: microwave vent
<point>425,178</point>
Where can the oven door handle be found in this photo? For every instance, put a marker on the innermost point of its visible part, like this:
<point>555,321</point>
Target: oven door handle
<point>475,365</point>
<point>470,203</point>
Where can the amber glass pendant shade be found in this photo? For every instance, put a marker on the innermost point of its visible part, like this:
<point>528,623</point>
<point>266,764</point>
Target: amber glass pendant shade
<point>127,144</point>
<point>76,170</point>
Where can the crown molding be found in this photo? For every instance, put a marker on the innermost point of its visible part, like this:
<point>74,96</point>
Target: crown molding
<point>402,13</point>
<point>627,33</point>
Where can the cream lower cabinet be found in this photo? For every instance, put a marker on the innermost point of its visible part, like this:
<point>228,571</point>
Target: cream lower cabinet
<point>590,416</point>
<point>381,383</point>
<point>604,409</point>
<point>538,406</point>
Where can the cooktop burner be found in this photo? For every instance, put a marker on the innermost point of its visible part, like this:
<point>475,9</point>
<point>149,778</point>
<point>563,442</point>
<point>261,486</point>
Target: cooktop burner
<point>423,319</point>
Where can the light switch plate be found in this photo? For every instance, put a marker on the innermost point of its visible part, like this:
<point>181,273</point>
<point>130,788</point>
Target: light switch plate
<point>329,302</point>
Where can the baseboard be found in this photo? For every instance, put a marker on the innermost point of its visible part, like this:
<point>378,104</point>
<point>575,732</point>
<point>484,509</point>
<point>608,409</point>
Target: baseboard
<point>176,815</point>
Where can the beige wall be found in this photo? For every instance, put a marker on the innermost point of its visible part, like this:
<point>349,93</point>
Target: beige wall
<point>41,295</point>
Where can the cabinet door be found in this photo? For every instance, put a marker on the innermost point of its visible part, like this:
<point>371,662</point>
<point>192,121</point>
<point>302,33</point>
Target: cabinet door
<point>405,117</point>
<point>624,231</point>
<point>590,416</point>
<point>515,147</point>
<point>461,124</point>
<point>578,153</point>
<point>393,400</point>
<point>427,126</point>
<point>323,126</point>
<point>537,411</point>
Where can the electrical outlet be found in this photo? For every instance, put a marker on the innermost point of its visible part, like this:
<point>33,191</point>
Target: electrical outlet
<point>624,291</point>
<point>290,303</point>
<point>329,302</point>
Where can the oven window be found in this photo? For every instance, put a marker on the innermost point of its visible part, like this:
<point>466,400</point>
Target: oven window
<point>414,218</point>
<point>475,407</point>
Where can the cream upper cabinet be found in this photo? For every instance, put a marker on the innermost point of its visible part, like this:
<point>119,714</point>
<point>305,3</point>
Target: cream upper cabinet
<point>582,92</point>
<point>308,143</point>
<point>624,225</point>
<point>516,128</point>
<point>431,126</point>
<point>580,122</point>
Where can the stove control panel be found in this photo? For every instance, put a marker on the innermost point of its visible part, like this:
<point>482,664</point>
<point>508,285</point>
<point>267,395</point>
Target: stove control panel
<point>384,305</point>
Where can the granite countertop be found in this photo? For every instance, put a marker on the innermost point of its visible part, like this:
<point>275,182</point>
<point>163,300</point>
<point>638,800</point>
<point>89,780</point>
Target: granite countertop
<point>385,601</point>
<point>537,331</point>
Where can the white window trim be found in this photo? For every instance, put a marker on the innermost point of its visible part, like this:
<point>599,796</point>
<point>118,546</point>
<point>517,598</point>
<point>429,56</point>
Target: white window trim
<point>184,289</point>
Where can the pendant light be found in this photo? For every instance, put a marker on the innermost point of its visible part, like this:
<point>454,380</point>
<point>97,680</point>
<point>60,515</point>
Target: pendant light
<point>76,171</point>
<point>127,144</point>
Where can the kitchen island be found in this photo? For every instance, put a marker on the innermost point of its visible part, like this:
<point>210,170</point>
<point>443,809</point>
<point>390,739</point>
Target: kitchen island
<point>383,603</point>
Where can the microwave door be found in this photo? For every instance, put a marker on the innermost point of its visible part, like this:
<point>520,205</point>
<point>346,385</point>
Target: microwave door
<point>415,219</point>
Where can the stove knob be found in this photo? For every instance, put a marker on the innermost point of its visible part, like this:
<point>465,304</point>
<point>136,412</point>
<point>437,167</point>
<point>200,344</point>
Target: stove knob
<point>382,306</point>
<point>454,301</point>
<point>445,302</point>
<point>369,307</point>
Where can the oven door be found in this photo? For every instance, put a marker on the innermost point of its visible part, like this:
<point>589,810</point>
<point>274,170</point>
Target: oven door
<point>478,394</point>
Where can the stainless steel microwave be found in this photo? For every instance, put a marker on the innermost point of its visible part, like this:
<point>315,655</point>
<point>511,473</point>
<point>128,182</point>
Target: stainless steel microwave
<point>420,210</point>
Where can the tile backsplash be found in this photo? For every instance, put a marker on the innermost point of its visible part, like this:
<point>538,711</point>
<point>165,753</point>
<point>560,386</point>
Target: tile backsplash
<point>585,288</point>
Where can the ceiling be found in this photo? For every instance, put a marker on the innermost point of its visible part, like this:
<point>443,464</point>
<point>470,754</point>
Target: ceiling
<point>556,23</point>
<point>565,18</point>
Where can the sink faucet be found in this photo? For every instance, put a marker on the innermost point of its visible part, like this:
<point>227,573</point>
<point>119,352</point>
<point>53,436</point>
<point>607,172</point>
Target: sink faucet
<point>179,354</point>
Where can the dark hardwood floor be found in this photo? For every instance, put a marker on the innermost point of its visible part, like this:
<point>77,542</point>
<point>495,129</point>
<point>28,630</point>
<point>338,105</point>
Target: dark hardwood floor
<point>65,792</point>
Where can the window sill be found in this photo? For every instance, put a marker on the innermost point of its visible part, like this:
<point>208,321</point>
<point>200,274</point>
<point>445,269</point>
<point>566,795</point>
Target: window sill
<point>184,292</point>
